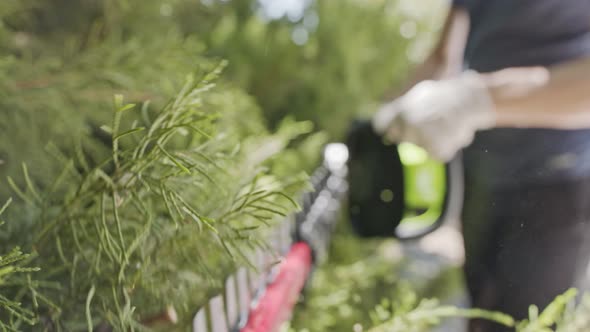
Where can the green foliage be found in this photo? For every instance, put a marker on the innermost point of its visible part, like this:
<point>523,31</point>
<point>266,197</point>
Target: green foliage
<point>59,91</point>
<point>14,274</point>
<point>544,321</point>
<point>129,235</point>
<point>130,207</point>
<point>361,275</point>
<point>359,289</point>
<point>405,312</point>
<point>354,280</point>
<point>561,315</point>
<point>575,318</point>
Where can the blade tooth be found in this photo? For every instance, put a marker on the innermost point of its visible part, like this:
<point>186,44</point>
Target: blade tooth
<point>277,239</point>
<point>260,262</point>
<point>231,301</point>
<point>262,259</point>
<point>286,235</point>
<point>273,272</point>
<point>256,275</point>
<point>252,280</point>
<point>244,293</point>
<point>269,256</point>
<point>217,312</point>
<point>200,321</point>
<point>251,272</point>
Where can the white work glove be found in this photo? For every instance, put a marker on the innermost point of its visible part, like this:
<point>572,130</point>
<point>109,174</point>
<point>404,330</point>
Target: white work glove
<point>439,116</point>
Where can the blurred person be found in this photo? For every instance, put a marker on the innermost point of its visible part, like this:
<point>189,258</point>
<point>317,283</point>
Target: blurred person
<point>527,156</point>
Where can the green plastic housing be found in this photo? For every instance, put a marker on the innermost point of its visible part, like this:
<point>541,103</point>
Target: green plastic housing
<point>424,185</point>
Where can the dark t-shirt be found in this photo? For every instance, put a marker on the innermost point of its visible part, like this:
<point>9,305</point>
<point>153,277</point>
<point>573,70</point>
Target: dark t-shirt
<point>508,33</point>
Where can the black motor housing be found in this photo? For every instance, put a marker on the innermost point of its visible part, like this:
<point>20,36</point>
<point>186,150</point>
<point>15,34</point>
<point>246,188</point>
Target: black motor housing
<point>376,182</point>
<point>376,188</point>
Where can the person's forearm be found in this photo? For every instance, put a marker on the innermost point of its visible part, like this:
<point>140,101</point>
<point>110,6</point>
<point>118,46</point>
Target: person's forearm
<point>561,101</point>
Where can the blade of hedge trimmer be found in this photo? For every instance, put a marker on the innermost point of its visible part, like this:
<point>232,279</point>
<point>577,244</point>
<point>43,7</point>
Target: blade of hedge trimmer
<point>263,301</point>
<point>274,306</point>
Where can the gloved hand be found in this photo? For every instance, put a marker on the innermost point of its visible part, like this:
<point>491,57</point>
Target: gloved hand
<point>439,116</point>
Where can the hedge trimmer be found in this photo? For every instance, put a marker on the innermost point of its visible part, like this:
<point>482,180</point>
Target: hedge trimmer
<point>391,191</point>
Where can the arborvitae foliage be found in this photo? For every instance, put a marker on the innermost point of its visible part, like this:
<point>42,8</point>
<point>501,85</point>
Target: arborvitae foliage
<point>160,219</point>
<point>138,182</point>
<point>14,274</point>
<point>405,312</point>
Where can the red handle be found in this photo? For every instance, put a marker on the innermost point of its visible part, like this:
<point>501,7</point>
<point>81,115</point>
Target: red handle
<point>275,305</point>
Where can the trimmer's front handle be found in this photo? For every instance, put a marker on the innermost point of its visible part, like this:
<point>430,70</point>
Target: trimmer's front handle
<point>451,205</point>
